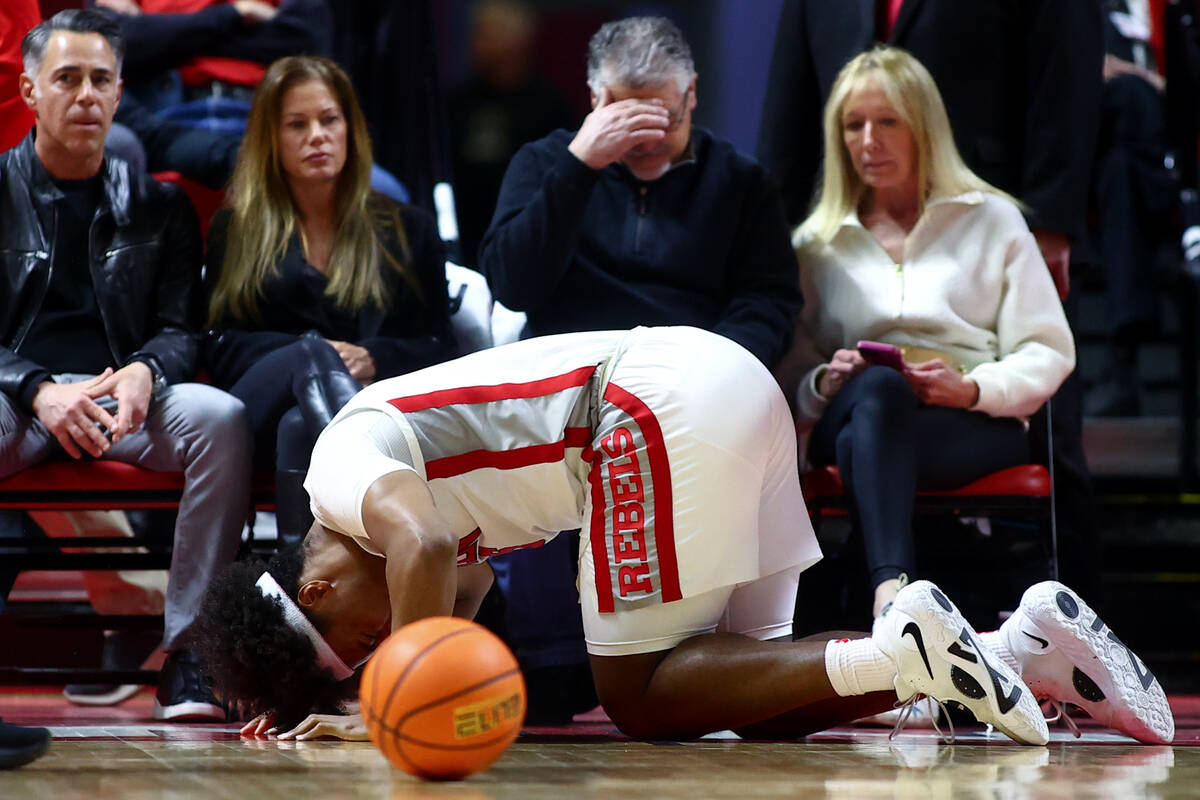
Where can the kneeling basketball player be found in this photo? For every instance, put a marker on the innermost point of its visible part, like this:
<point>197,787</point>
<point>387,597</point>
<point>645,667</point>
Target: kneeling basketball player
<point>674,451</point>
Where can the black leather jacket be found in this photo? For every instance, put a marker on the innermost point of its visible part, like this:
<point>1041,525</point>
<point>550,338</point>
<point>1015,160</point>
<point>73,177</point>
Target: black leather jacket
<point>145,253</point>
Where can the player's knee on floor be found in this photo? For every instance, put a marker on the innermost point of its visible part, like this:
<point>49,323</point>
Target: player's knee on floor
<point>623,684</point>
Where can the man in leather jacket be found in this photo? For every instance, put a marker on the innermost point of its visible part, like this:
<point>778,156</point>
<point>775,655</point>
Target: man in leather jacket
<point>98,314</point>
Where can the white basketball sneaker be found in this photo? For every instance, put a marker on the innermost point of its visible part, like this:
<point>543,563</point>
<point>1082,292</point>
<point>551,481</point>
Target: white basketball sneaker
<point>938,654</point>
<point>1068,654</point>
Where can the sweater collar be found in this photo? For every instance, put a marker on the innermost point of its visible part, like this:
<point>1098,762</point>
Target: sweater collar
<point>971,198</point>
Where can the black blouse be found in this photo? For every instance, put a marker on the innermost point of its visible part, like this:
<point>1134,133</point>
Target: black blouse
<point>413,332</point>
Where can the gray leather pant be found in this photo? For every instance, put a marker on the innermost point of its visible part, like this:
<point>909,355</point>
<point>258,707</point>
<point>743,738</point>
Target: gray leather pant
<point>191,428</point>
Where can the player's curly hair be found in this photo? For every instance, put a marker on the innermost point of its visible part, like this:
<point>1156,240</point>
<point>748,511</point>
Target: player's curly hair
<point>255,661</point>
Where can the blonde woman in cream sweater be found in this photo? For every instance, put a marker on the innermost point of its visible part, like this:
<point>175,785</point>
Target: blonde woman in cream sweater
<point>907,247</point>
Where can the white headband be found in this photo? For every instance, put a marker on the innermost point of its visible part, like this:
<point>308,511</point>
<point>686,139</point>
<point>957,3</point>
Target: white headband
<point>296,620</point>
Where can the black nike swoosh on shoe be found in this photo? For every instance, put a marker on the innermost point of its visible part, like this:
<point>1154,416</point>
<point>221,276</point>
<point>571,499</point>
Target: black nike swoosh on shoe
<point>1145,676</point>
<point>1004,702</point>
<point>914,630</point>
<point>1037,639</point>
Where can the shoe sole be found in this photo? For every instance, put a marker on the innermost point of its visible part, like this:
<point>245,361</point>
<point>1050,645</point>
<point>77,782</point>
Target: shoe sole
<point>1136,703</point>
<point>118,695</point>
<point>188,712</point>
<point>935,613</point>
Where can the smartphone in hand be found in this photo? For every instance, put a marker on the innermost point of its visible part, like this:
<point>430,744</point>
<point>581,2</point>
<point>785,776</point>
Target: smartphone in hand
<point>885,355</point>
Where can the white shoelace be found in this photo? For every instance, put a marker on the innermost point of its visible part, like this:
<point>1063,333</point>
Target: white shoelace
<point>1060,710</point>
<point>906,710</point>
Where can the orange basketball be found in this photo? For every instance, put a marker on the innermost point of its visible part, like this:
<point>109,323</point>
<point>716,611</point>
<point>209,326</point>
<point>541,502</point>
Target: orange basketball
<point>442,698</point>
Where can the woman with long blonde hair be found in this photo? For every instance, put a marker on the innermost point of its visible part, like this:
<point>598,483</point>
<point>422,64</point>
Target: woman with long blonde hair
<point>317,285</point>
<point>931,329</point>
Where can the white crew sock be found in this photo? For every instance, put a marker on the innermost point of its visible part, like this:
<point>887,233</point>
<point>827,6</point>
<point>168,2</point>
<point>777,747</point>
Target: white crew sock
<point>996,642</point>
<point>858,666</point>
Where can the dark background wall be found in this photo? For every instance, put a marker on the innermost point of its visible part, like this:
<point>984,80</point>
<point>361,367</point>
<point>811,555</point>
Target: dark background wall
<point>731,42</point>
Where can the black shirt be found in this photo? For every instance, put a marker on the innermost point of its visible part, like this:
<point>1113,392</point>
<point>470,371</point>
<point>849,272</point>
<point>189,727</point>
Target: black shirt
<point>411,333</point>
<point>68,333</point>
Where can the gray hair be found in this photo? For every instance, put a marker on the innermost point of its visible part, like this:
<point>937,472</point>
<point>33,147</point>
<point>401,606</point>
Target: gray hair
<point>639,52</point>
<point>73,20</point>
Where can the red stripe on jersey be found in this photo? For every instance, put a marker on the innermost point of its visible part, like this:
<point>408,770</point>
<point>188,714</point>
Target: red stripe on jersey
<point>604,591</point>
<point>515,458</point>
<point>660,475</point>
<point>578,437</point>
<point>488,394</point>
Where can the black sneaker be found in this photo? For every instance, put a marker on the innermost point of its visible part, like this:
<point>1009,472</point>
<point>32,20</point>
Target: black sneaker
<point>123,650</point>
<point>183,693</point>
<point>99,694</point>
<point>21,745</point>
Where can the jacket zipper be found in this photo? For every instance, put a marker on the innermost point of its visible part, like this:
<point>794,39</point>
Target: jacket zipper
<point>641,210</point>
<point>110,253</point>
<point>36,307</point>
<point>92,274</point>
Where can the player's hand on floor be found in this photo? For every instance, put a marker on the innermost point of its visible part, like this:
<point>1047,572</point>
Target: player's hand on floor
<point>262,725</point>
<point>349,727</point>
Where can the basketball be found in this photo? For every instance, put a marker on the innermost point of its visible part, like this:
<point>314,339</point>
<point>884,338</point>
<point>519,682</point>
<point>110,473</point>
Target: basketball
<point>442,698</point>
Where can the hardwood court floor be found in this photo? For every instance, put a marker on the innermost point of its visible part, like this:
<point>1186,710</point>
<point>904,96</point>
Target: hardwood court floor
<point>118,753</point>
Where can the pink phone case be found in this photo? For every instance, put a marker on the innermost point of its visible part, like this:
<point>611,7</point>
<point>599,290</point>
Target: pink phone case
<point>887,355</point>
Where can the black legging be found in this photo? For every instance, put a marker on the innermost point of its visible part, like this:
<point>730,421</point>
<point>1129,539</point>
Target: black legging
<point>272,390</point>
<point>887,445</point>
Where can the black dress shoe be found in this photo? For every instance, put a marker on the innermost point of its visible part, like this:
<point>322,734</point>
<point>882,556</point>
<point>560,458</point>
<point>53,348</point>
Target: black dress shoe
<point>21,745</point>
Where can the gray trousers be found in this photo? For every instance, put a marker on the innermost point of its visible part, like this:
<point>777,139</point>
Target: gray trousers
<point>191,428</point>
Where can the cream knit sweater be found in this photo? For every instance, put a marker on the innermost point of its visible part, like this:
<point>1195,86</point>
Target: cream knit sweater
<point>973,284</point>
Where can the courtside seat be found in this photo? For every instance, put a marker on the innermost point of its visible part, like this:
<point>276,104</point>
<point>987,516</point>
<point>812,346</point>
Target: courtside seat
<point>97,485</point>
<point>1023,491</point>
<point>90,484</point>
<point>80,485</point>
<point>507,325</point>
<point>470,308</point>
<point>1026,485</point>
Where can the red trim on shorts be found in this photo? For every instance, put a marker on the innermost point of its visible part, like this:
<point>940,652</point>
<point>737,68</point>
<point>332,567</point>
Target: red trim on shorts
<point>604,589</point>
<point>488,394</point>
<point>660,476</point>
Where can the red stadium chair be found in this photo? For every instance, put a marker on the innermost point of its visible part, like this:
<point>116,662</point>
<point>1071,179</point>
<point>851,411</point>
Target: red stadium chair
<point>1024,491</point>
<point>96,485</point>
<point>206,201</point>
<point>86,485</point>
